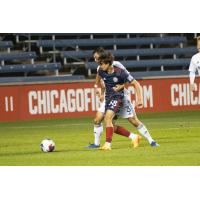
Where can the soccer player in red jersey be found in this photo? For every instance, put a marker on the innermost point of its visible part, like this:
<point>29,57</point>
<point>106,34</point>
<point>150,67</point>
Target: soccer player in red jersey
<point>113,76</point>
<point>127,111</point>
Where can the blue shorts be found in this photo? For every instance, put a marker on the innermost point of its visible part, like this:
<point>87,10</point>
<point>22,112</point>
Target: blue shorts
<point>113,104</point>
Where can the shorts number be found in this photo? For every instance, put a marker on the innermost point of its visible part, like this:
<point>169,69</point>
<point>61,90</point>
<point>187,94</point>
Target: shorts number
<point>128,110</point>
<point>113,103</point>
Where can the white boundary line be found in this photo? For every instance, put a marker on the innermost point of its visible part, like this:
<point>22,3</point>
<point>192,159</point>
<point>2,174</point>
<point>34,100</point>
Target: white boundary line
<point>84,124</point>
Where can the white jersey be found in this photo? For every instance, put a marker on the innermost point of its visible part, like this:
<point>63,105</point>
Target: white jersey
<point>195,63</point>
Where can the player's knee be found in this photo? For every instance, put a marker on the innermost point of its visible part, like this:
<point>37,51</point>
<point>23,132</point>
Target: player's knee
<point>134,121</point>
<point>108,119</point>
<point>98,118</point>
<point>97,121</point>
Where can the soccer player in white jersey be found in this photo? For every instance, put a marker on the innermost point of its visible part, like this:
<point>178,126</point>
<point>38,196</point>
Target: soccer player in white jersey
<point>194,66</point>
<point>127,111</point>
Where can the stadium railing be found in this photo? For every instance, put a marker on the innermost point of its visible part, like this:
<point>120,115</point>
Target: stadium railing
<point>183,62</point>
<point>157,74</point>
<point>77,43</point>
<point>17,56</point>
<point>148,63</point>
<point>40,79</point>
<point>111,41</point>
<point>77,35</point>
<point>29,67</point>
<point>131,52</point>
<point>6,45</point>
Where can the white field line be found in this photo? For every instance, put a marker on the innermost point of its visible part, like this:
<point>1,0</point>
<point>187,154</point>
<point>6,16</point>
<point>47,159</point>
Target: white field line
<point>86,124</point>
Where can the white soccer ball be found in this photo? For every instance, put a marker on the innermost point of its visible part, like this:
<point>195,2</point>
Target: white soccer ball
<point>47,145</point>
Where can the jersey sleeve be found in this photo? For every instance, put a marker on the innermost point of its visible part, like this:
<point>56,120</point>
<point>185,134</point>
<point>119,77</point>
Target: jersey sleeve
<point>126,76</point>
<point>120,65</point>
<point>99,72</point>
<point>192,67</point>
<point>98,68</point>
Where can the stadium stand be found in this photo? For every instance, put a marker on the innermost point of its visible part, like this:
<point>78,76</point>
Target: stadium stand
<point>40,79</point>
<point>154,46</point>
<point>112,41</point>
<point>153,74</point>
<point>131,52</point>
<point>149,63</point>
<point>29,67</point>
<point>15,61</point>
<point>6,45</point>
<point>17,56</point>
<point>143,54</point>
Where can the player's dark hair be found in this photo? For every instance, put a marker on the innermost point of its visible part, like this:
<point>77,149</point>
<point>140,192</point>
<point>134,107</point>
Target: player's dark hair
<point>198,38</point>
<point>99,50</point>
<point>106,58</point>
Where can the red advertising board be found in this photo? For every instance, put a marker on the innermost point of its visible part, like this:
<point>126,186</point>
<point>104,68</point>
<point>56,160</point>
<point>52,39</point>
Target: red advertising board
<point>26,102</point>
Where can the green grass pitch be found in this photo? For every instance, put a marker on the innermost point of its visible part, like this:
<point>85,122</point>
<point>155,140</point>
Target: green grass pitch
<point>178,133</point>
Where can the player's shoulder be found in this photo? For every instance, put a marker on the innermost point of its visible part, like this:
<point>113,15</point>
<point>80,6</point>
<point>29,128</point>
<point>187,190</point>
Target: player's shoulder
<point>119,70</point>
<point>98,68</point>
<point>118,64</point>
<point>196,56</point>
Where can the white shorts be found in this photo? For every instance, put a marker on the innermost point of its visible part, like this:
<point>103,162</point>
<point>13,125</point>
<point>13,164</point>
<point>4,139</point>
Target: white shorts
<point>127,110</point>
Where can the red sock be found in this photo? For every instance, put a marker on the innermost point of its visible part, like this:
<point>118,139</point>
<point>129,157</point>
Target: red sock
<point>109,134</point>
<point>122,131</point>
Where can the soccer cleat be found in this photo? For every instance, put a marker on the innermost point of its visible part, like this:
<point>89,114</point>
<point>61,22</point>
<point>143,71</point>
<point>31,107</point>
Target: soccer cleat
<point>92,146</point>
<point>154,144</point>
<point>135,142</point>
<point>105,147</point>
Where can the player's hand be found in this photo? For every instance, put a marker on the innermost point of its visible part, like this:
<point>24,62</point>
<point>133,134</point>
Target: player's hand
<point>118,88</point>
<point>101,98</point>
<point>192,87</point>
<point>139,104</point>
<point>97,93</point>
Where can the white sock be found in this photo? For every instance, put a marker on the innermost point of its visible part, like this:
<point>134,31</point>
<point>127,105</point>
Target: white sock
<point>143,131</point>
<point>98,130</point>
<point>132,136</point>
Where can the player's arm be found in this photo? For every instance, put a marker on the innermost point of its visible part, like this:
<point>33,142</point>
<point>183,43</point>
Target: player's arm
<point>99,83</point>
<point>103,89</point>
<point>192,78</point>
<point>129,78</point>
<point>118,88</point>
<point>139,99</point>
<point>192,71</point>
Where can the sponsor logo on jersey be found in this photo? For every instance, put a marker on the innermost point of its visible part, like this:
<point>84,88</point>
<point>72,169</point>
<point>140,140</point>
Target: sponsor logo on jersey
<point>115,79</point>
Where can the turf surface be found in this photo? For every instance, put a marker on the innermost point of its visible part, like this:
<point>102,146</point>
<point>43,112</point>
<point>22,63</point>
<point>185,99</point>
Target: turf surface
<point>178,133</point>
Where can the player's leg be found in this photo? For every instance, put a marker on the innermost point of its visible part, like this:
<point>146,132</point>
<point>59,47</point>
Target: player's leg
<point>111,108</point>
<point>142,130</point>
<point>128,112</point>
<point>98,130</point>
<point>98,126</point>
<point>135,139</point>
<point>109,115</point>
